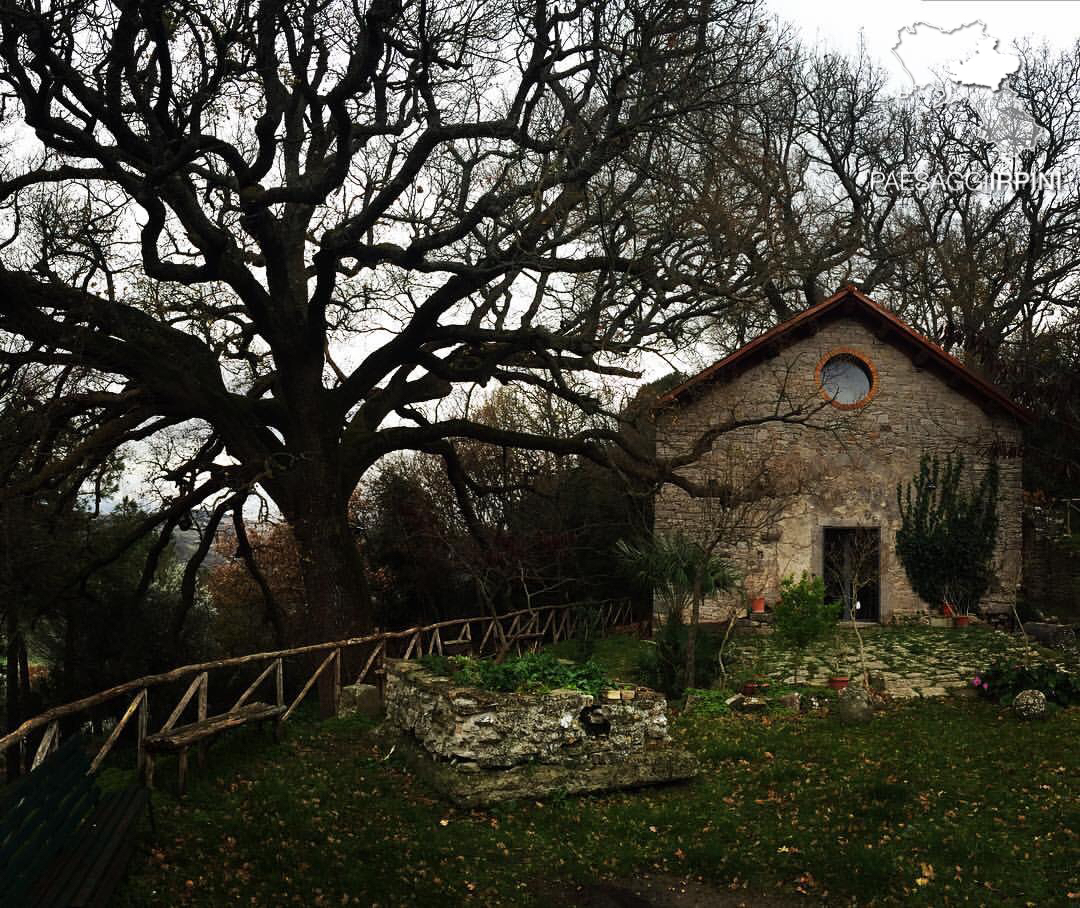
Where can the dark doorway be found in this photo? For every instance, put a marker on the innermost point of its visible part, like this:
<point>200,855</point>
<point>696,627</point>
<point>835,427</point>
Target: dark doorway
<point>852,559</point>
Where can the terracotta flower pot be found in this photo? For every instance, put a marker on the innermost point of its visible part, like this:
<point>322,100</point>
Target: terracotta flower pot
<point>838,683</point>
<point>757,606</point>
<point>961,620</point>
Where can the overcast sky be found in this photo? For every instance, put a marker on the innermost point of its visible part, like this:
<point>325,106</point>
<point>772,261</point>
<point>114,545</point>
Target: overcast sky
<point>838,23</point>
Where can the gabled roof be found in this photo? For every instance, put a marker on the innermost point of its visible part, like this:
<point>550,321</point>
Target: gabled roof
<point>851,302</point>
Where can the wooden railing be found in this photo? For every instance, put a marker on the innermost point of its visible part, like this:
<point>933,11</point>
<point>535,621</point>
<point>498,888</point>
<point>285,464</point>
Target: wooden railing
<point>524,629</point>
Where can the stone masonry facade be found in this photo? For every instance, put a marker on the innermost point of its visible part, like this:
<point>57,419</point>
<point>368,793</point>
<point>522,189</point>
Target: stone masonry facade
<point>842,468</point>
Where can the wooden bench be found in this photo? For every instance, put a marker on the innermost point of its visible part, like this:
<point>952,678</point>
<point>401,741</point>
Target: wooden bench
<point>62,841</point>
<point>177,740</point>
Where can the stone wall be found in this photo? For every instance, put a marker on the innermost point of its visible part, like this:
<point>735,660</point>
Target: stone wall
<point>1051,567</point>
<point>500,730</point>
<point>842,469</point>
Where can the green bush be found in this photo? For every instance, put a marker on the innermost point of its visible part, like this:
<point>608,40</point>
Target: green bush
<point>948,531</point>
<point>802,616</point>
<point>1005,678</point>
<point>663,666</point>
<point>532,672</point>
<point>708,702</point>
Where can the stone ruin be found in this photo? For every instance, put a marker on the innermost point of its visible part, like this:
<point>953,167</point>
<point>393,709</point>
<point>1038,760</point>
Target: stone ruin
<point>480,746</point>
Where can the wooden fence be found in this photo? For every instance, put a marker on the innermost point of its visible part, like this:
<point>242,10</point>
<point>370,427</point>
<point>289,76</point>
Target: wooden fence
<point>515,631</point>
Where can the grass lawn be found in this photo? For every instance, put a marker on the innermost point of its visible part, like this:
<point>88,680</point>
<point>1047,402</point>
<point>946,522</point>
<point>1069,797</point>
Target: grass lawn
<point>618,655</point>
<point>931,803</point>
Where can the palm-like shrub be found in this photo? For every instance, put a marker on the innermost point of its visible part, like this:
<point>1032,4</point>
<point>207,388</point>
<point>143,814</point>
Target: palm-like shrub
<point>682,573</point>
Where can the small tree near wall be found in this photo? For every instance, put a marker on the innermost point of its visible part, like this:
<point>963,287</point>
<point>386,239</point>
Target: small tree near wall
<point>850,566</point>
<point>683,573</point>
<point>802,616</point>
<point>948,530</point>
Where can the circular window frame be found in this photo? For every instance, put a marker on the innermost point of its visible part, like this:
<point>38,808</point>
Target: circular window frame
<point>864,361</point>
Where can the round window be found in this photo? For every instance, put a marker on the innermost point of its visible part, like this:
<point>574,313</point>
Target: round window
<point>846,380</point>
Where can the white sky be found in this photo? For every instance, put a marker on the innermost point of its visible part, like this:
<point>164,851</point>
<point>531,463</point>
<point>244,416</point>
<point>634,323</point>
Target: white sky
<point>837,24</point>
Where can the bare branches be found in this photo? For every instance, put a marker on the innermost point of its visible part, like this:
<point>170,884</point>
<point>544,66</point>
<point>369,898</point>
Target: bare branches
<point>306,224</point>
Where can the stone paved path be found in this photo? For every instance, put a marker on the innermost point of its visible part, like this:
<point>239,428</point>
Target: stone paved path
<point>904,662</point>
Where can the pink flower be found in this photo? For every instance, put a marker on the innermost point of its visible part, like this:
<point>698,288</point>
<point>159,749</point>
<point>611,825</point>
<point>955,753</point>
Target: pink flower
<point>976,681</point>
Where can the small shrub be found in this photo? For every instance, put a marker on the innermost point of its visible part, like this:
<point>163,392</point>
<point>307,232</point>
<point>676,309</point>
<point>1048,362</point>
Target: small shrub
<point>708,702</point>
<point>802,616</point>
<point>532,672</point>
<point>663,666</point>
<point>1005,678</point>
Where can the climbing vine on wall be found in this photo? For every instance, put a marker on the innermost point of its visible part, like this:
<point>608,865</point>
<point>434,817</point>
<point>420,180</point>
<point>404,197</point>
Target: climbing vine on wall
<point>948,531</point>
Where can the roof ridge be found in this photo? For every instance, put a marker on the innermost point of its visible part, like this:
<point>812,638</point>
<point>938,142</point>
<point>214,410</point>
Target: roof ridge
<point>849,291</point>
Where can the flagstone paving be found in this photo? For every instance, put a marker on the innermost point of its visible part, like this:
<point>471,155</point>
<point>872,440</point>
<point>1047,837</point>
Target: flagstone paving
<point>904,662</point>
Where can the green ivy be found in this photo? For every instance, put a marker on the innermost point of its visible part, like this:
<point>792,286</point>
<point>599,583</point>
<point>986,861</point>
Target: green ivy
<point>948,531</point>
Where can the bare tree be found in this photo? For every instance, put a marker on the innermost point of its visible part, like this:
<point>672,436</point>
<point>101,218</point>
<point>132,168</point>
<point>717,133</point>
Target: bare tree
<point>850,566</point>
<point>801,191</point>
<point>783,199</point>
<point>1000,259</point>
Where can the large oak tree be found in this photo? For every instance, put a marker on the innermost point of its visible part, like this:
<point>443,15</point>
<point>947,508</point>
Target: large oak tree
<point>284,231</point>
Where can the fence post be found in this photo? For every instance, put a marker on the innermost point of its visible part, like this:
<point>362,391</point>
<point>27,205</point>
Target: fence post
<point>380,669</point>
<point>140,731</point>
<point>200,752</point>
<point>49,742</point>
<point>336,696</point>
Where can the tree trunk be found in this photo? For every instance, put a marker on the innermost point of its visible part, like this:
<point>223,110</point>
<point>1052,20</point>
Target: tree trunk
<point>691,636</point>
<point>13,705</point>
<point>335,585</point>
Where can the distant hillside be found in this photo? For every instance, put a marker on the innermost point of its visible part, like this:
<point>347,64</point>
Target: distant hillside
<point>185,542</point>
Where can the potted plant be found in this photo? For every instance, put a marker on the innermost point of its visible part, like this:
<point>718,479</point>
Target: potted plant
<point>954,607</point>
<point>839,678</point>
<point>755,682</point>
<point>757,605</point>
<point>753,686</point>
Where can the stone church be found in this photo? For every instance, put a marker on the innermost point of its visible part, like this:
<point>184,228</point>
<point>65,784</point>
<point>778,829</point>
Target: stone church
<point>831,410</point>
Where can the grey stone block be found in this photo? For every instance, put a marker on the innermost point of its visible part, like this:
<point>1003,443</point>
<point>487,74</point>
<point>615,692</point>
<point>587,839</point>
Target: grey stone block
<point>853,705</point>
<point>360,700</point>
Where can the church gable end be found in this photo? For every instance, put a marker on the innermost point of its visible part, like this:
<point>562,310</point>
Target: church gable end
<point>875,396</point>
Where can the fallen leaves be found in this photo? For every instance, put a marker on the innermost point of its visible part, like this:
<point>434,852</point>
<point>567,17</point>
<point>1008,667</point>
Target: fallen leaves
<point>370,833</point>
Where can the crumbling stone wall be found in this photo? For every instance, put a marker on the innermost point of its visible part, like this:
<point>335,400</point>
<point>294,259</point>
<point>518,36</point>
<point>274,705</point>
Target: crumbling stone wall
<point>845,466</point>
<point>500,730</point>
